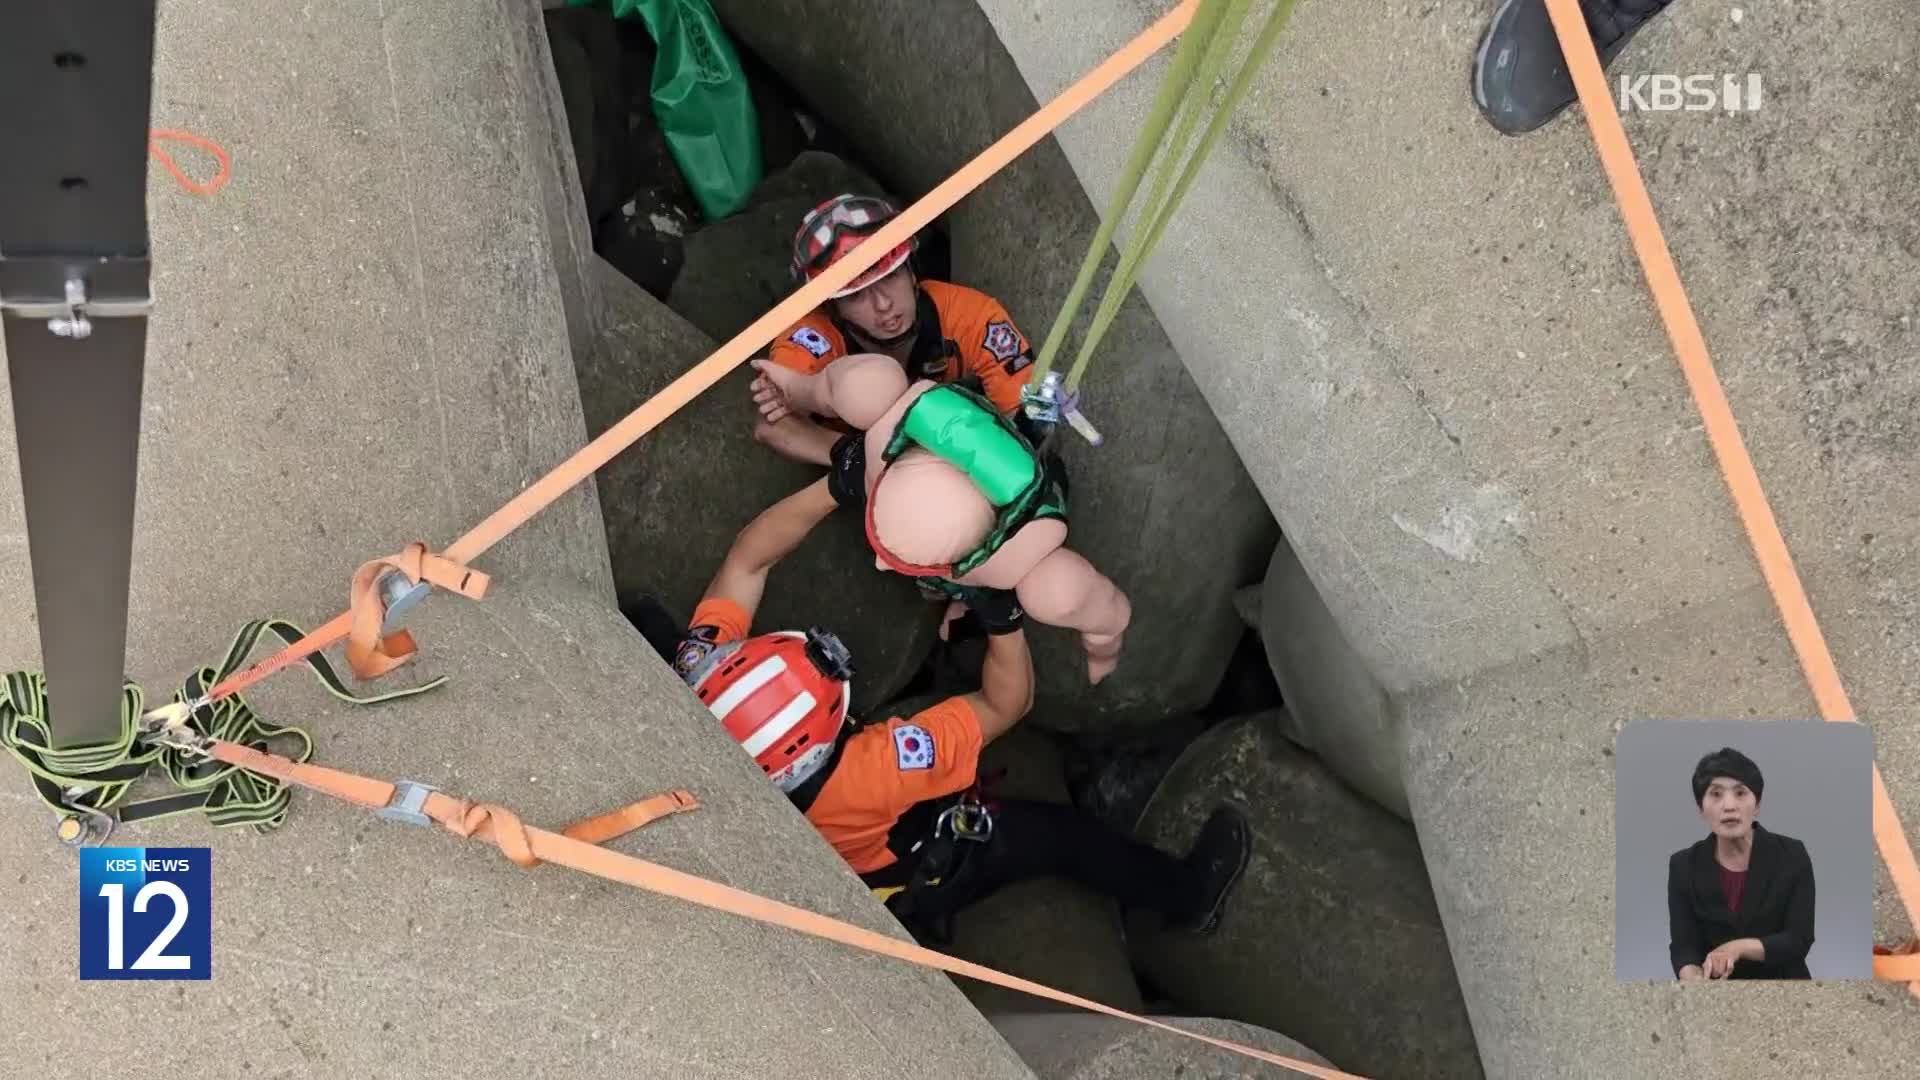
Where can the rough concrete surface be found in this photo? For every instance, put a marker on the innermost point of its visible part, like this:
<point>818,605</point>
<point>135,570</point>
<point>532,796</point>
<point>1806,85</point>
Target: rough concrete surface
<point>674,502</point>
<point>1440,362</point>
<point>377,290</point>
<point>1083,1047</point>
<point>1334,705</point>
<point>741,268</point>
<point>925,89</point>
<point>1331,935</point>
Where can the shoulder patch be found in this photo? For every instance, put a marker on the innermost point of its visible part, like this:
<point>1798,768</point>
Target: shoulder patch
<point>694,650</point>
<point>1003,341</point>
<point>811,340</point>
<point>912,747</point>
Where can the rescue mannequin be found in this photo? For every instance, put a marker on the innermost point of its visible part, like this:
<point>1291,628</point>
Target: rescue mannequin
<point>954,493</point>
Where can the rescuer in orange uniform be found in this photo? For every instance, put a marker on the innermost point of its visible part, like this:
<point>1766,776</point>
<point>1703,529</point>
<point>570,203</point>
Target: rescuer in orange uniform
<point>936,330</point>
<point>897,796</point>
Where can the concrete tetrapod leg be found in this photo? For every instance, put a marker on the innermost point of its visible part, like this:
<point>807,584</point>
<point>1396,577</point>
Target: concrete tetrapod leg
<point>1439,360</point>
<point>1331,934</point>
<point>362,341</point>
<point>1084,1047</point>
<point>1165,507</point>
<point>1335,707</point>
<point>1049,930</point>
<point>675,501</point>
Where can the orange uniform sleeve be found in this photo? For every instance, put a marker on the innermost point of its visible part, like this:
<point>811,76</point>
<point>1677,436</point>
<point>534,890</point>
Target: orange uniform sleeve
<point>888,768</point>
<point>716,621</point>
<point>808,345</point>
<point>994,349</point>
<point>727,619</point>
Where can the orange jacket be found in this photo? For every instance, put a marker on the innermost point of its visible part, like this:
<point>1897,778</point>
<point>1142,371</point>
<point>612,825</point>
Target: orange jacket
<point>884,769</point>
<point>960,332</point>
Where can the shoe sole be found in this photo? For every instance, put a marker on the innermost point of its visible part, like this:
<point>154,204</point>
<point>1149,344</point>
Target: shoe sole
<point>1478,76</point>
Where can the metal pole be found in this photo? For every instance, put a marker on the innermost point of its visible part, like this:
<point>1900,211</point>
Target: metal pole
<point>75,100</point>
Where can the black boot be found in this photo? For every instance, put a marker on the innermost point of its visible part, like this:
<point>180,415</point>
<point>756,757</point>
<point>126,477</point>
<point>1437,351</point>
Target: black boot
<point>1216,861</point>
<point>1520,78</point>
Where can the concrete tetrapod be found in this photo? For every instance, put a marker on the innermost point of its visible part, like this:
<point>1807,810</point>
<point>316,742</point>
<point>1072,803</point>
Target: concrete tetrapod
<point>362,340</point>
<point>1085,1047</point>
<point>1439,360</point>
<point>1335,707</point>
<point>1165,508</point>
<point>1331,934</point>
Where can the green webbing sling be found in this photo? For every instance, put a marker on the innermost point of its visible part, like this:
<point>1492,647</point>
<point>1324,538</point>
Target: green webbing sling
<point>97,779</point>
<point>1196,65</point>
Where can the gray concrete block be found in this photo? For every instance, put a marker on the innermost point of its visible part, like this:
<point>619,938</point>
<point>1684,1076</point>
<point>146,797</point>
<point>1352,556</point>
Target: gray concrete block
<point>739,269</point>
<point>361,341</point>
<point>1083,1047</point>
<point>1468,419</point>
<point>1332,932</point>
<point>675,501</point>
<point>1335,707</point>
<point>1167,493</point>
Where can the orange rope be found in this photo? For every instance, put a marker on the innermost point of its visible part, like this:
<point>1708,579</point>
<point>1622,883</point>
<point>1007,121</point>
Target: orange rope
<point>196,187</point>
<point>1736,466</point>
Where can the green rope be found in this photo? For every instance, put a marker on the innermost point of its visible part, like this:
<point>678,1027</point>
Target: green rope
<point>1173,96</point>
<point>97,779</point>
<point>1211,41</point>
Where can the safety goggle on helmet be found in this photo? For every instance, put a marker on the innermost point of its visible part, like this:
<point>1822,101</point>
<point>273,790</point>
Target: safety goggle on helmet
<point>836,227</point>
<point>782,696</point>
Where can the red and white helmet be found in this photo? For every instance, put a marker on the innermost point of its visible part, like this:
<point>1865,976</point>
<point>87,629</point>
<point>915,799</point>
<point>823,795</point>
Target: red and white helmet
<point>836,227</point>
<point>782,696</point>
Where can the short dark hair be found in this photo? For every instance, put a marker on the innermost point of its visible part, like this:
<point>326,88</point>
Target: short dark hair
<point>1728,762</point>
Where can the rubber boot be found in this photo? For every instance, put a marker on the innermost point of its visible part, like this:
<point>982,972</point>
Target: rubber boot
<point>1217,859</point>
<point>1520,77</point>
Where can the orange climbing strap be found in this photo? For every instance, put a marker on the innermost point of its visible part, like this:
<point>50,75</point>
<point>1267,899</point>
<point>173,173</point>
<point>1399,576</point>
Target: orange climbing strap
<point>618,823</point>
<point>368,652</point>
<point>1736,466</point>
<point>655,410</point>
<point>528,846</point>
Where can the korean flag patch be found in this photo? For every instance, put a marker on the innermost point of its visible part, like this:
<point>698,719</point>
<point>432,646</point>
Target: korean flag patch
<point>912,747</point>
<point>811,340</point>
<point>1003,341</point>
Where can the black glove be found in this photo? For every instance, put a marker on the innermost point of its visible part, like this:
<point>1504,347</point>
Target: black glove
<point>998,610</point>
<point>847,473</point>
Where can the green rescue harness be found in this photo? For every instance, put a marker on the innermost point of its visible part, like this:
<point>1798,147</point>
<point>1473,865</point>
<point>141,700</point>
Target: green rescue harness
<point>964,429</point>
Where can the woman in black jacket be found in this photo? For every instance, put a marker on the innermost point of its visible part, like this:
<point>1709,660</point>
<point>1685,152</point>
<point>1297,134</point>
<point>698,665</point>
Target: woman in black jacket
<point>1740,901</point>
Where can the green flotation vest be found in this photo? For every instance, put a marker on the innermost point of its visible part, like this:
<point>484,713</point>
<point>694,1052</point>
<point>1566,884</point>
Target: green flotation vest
<point>963,428</point>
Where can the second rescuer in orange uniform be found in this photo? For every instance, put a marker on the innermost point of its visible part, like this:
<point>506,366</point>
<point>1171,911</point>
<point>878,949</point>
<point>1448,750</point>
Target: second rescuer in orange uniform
<point>936,330</point>
<point>880,790</point>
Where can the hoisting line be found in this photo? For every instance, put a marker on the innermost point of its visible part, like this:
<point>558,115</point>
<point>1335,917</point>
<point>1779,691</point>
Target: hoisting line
<point>1730,451</point>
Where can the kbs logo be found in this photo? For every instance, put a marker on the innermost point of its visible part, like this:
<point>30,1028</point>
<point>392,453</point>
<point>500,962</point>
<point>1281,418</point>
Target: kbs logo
<point>1690,93</point>
<point>144,913</point>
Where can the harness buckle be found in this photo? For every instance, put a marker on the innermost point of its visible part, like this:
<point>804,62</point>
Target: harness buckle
<point>966,820</point>
<point>81,824</point>
<point>406,805</point>
<point>397,597</point>
<point>1051,402</point>
<point>167,726</point>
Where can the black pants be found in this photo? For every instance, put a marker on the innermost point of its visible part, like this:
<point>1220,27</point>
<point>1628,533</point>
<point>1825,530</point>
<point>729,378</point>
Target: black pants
<point>1035,840</point>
